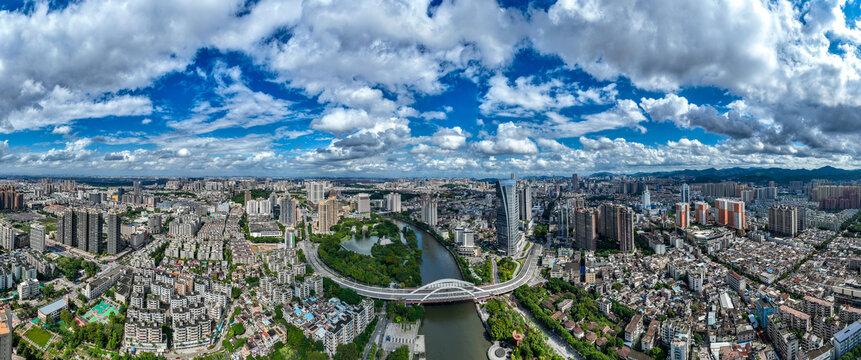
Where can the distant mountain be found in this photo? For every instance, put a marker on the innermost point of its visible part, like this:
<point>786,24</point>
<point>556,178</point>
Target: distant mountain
<point>760,174</point>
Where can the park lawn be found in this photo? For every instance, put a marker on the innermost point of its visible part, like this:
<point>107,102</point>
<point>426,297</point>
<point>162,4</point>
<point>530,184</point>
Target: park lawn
<point>38,336</point>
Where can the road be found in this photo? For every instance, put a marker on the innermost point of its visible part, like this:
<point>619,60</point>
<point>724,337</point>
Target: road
<point>377,335</point>
<point>446,290</point>
<point>560,346</point>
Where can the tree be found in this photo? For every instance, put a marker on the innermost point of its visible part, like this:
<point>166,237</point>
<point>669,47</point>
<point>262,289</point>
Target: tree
<point>656,353</point>
<point>347,352</point>
<point>401,353</point>
<point>67,317</point>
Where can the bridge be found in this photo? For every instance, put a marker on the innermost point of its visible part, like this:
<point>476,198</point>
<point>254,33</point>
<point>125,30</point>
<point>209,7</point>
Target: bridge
<point>440,291</point>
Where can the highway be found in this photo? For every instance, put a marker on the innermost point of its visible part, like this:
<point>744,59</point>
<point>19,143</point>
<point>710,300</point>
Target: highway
<point>445,290</point>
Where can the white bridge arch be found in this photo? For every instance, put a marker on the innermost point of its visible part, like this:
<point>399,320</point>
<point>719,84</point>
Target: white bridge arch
<point>468,289</point>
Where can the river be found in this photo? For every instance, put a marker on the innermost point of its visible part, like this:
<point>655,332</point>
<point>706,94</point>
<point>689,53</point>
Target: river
<point>452,331</point>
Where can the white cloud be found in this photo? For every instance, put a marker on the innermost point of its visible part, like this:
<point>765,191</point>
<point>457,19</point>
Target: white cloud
<point>526,96</point>
<point>63,130</point>
<point>509,140</point>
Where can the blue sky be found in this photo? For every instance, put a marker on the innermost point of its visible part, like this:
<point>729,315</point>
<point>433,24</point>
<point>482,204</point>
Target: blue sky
<point>416,88</point>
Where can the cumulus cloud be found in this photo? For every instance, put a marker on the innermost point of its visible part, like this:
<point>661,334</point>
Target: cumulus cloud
<point>526,96</point>
<point>509,140</point>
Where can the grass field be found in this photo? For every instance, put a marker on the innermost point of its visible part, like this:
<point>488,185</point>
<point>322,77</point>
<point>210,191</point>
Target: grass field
<point>38,336</point>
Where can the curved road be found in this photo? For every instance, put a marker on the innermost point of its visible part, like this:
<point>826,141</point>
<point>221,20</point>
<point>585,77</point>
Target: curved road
<point>447,290</point>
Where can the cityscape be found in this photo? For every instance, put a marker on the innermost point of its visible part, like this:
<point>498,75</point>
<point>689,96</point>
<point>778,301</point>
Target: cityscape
<point>430,180</point>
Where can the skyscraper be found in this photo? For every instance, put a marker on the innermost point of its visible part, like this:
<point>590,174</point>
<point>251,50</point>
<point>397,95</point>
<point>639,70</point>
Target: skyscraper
<point>617,223</point>
<point>113,232</point>
<point>363,205</point>
<point>730,213</point>
<point>94,231</point>
<point>507,223</point>
<point>393,202</point>
<point>783,220</point>
<point>686,193</point>
<point>524,202</point>
<point>683,210</point>
<point>575,182</point>
<point>585,227</point>
<point>6,334</point>
<point>153,224</point>
<point>315,191</point>
<point>647,199</point>
<point>429,211</point>
<point>287,206</point>
<point>327,214</point>
<point>701,212</point>
<point>82,229</point>
<point>37,237</point>
<point>67,228</point>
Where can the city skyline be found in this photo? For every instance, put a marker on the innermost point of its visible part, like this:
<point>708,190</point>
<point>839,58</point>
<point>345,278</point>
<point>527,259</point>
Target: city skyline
<point>280,88</point>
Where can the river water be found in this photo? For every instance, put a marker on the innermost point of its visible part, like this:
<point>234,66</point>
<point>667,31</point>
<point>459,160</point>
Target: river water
<point>452,331</point>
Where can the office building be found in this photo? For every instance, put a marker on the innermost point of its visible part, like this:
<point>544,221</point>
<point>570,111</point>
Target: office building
<point>114,224</point>
<point>683,210</point>
<point>363,205</point>
<point>464,236</point>
<point>647,198</point>
<point>686,193</point>
<point>730,213</point>
<point>524,203</point>
<point>507,222</point>
<point>585,228</point>
<point>393,202</point>
<point>429,211</point>
<point>37,237</point>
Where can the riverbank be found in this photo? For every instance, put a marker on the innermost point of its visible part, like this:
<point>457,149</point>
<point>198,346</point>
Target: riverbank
<point>459,261</point>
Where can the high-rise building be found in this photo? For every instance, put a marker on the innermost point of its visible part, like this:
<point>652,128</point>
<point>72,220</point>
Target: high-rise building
<point>363,205</point>
<point>679,348</point>
<point>686,193</point>
<point>701,212</point>
<point>67,228</point>
<point>617,223</point>
<point>783,220</point>
<point>585,228</point>
<point>429,211</point>
<point>683,210</point>
<point>747,196</point>
<point>8,236</point>
<point>288,211</point>
<point>575,182</point>
<point>327,214</point>
<point>464,236</point>
<point>315,191</point>
<point>82,228</point>
<point>37,237</point>
<point>524,203</point>
<point>137,188</point>
<point>6,334</point>
<point>154,224</point>
<point>730,213</point>
<point>647,198</point>
<point>94,231</point>
<point>507,223</point>
<point>564,216</point>
<point>11,199</point>
<point>114,224</point>
<point>393,202</point>
<point>766,193</point>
